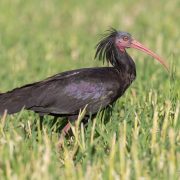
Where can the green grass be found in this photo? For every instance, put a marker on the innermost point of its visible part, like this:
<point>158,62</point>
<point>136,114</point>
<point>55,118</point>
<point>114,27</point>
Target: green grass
<point>141,140</point>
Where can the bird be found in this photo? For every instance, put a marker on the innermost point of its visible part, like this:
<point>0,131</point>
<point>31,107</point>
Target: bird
<point>67,93</point>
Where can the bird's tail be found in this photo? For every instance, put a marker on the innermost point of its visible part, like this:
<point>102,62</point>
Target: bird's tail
<point>14,101</point>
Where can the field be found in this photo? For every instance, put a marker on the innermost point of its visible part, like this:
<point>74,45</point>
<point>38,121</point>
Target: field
<point>141,140</point>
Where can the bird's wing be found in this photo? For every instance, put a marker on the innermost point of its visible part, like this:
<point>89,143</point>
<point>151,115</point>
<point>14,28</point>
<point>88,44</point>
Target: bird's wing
<point>73,91</point>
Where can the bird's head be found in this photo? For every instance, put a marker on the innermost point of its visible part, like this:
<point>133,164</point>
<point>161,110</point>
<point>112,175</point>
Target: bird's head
<point>118,41</point>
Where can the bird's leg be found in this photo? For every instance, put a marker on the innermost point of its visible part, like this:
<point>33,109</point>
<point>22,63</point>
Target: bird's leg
<point>67,128</point>
<point>41,118</point>
<point>64,132</point>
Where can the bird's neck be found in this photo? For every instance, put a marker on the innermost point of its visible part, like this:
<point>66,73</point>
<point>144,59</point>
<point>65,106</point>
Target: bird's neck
<point>124,63</point>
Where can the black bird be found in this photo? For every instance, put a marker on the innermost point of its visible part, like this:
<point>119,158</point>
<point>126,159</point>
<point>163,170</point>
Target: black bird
<point>66,93</point>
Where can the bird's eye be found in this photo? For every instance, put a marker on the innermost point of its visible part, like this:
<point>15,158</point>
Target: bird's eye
<point>125,38</point>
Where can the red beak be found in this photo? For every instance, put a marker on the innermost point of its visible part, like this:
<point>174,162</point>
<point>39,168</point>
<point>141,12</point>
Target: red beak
<point>137,45</point>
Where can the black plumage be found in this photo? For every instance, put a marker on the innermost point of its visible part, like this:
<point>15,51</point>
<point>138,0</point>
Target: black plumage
<point>66,93</point>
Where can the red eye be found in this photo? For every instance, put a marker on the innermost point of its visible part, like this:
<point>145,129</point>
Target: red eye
<point>125,38</point>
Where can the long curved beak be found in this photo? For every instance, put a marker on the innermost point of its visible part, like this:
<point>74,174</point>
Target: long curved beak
<point>137,45</point>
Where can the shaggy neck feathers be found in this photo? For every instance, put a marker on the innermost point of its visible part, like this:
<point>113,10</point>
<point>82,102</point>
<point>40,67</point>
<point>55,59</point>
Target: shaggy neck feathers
<point>107,50</point>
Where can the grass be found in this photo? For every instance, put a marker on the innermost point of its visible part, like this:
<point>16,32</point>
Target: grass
<point>141,140</point>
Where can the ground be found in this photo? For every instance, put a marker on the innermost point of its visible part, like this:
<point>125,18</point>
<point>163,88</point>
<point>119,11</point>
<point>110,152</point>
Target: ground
<point>142,137</point>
